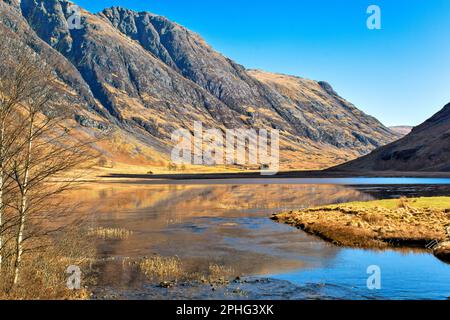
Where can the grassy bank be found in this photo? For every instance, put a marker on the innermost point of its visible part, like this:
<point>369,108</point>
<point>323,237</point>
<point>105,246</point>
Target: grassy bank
<point>44,269</point>
<point>417,222</point>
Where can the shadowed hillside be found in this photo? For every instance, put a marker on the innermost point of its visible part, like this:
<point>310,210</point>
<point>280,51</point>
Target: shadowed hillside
<point>426,148</point>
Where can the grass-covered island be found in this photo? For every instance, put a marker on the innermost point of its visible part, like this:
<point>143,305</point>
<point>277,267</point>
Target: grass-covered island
<point>416,222</point>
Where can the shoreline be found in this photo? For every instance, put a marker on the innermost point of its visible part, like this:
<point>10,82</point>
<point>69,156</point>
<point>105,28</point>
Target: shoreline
<point>280,175</point>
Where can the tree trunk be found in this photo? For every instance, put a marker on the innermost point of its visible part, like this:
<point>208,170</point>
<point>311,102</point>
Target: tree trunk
<point>23,204</point>
<point>19,250</point>
<point>1,216</point>
<point>2,160</point>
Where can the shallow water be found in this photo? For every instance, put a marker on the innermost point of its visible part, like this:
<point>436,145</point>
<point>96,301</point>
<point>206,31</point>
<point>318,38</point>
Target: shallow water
<point>228,224</point>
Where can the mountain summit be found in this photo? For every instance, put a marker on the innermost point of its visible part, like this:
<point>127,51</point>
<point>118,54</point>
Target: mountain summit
<point>141,76</point>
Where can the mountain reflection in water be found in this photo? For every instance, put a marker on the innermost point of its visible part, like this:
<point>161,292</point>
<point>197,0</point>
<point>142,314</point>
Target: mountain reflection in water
<point>224,224</point>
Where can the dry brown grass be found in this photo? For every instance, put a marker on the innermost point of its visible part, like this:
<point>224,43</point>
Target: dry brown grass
<point>162,268</point>
<point>43,273</point>
<point>376,224</point>
<point>110,233</point>
<point>170,270</point>
<point>372,217</point>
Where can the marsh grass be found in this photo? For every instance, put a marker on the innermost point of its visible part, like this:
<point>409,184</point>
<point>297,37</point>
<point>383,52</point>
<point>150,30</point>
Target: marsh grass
<point>162,268</point>
<point>219,273</point>
<point>43,274</point>
<point>110,233</point>
<point>171,270</point>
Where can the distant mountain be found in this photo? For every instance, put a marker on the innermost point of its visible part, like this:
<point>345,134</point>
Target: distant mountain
<point>141,76</point>
<point>402,130</point>
<point>426,148</point>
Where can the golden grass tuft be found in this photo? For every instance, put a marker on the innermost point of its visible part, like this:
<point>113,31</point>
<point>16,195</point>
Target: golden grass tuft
<point>162,268</point>
<point>171,270</point>
<point>110,233</point>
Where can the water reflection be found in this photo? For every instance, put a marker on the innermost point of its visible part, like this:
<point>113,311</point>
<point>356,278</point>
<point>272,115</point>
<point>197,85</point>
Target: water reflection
<point>223,224</point>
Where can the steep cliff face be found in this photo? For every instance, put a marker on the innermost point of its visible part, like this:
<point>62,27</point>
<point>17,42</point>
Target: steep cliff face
<point>145,76</point>
<point>426,148</point>
<point>188,53</point>
<point>321,115</point>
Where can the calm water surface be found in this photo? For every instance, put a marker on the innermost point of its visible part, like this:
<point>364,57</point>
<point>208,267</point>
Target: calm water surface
<point>227,223</point>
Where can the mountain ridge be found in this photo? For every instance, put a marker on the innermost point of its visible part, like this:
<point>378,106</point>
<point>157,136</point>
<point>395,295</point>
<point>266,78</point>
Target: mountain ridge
<point>146,76</point>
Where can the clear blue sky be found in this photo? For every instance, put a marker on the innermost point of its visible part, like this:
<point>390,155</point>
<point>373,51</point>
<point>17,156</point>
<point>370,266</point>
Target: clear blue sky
<point>400,74</point>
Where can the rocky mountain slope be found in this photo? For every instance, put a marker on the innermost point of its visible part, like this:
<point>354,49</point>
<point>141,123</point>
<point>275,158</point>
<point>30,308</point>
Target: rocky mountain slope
<point>426,148</point>
<point>140,76</point>
<point>403,130</point>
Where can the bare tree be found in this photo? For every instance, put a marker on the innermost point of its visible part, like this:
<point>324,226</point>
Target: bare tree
<point>13,92</point>
<point>38,150</point>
